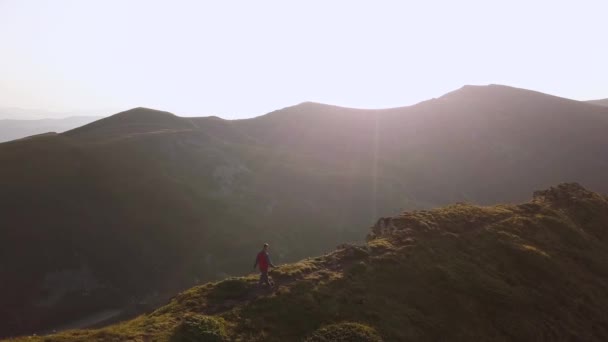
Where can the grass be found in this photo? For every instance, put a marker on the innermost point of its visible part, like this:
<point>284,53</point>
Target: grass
<point>295,270</point>
<point>345,332</point>
<point>232,288</point>
<point>194,328</point>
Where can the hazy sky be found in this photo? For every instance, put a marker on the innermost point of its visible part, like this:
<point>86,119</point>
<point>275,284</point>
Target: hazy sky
<point>245,58</point>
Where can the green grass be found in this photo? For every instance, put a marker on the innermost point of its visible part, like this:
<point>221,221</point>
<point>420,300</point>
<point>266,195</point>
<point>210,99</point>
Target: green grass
<point>295,270</point>
<point>195,328</point>
<point>345,332</point>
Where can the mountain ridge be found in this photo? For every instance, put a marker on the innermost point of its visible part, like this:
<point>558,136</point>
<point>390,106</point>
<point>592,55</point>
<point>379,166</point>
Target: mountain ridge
<point>167,120</point>
<point>138,114</point>
<point>137,120</point>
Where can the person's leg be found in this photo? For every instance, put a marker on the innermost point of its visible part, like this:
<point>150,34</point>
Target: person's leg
<point>264,277</point>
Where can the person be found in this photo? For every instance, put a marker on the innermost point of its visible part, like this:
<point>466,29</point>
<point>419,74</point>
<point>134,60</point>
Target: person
<point>263,261</point>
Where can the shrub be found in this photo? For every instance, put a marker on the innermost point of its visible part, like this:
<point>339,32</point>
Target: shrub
<point>345,332</point>
<point>195,328</point>
<point>298,269</point>
<point>378,246</point>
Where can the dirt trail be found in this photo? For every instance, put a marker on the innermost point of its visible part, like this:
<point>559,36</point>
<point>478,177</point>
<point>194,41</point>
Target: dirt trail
<point>336,265</point>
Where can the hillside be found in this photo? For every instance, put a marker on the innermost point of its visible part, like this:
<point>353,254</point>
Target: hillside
<point>536,271</point>
<point>603,102</point>
<point>11,129</point>
<point>120,213</point>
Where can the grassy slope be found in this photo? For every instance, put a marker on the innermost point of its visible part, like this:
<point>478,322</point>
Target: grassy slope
<point>535,271</point>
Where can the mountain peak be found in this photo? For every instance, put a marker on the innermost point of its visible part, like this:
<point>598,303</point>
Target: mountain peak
<point>310,105</point>
<point>493,95</point>
<point>476,90</point>
<point>565,194</point>
<point>144,114</point>
<point>318,106</point>
<point>136,120</point>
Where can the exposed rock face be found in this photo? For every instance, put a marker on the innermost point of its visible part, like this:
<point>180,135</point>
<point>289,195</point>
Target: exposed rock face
<point>565,194</point>
<point>384,226</point>
<point>570,199</point>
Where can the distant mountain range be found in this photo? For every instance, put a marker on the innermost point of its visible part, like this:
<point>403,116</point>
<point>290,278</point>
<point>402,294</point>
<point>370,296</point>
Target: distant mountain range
<point>11,129</point>
<point>131,207</point>
<point>17,113</point>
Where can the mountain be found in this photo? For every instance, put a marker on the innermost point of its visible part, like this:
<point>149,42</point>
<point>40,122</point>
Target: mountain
<point>11,129</point>
<point>603,102</point>
<point>116,215</point>
<point>527,272</point>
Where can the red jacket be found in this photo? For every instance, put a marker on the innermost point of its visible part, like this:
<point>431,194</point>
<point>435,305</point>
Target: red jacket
<point>263,260</point>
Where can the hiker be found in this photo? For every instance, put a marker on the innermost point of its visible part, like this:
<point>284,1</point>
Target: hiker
<point>263,260</point>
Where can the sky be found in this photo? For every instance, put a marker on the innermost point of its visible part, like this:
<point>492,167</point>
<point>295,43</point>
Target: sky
<point>240,59</point>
